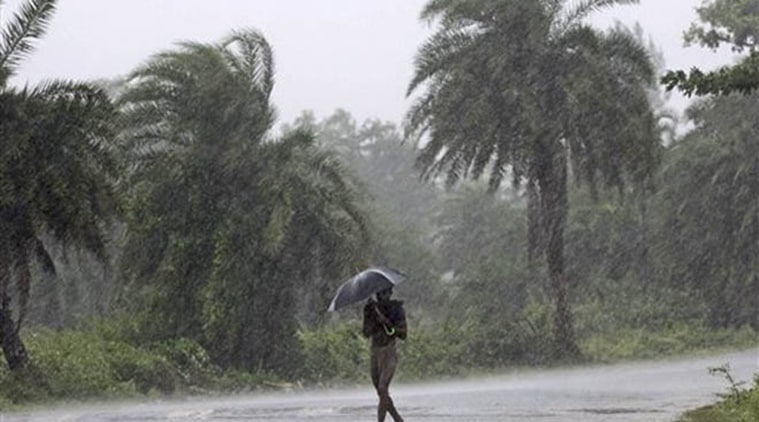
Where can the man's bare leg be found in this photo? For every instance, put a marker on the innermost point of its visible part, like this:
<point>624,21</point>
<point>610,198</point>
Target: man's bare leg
<point>386,361</point>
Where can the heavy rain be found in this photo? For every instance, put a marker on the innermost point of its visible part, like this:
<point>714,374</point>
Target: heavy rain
<point>470,210</point>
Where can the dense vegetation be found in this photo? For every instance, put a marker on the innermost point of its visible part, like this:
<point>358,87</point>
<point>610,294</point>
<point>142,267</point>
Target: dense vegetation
<point>170,240</point>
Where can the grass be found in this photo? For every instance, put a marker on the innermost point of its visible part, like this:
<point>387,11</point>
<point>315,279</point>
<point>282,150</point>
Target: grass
<point>737,405</point>
<point>677,340</point>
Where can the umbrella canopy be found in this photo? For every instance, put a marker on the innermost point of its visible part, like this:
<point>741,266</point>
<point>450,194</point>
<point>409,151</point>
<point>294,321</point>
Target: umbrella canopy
<point>364,284</point>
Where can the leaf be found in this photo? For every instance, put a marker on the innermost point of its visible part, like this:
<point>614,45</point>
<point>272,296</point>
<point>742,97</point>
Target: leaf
<point>26,26</point>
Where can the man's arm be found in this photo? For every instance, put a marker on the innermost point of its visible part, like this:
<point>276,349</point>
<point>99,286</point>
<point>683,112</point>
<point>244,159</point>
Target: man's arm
<point>370,322</point>
<point>400,327</point>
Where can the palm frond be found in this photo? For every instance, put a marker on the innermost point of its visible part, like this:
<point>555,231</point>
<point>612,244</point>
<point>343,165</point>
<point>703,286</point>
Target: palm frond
<point>25,27</point>
<point>437,53</point>
<point>255,59</point>
<point>625,49</point>
<point>580,9</point>
<point>456,13</point>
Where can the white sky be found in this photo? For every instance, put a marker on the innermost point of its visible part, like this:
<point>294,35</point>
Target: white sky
<point>329,54</point>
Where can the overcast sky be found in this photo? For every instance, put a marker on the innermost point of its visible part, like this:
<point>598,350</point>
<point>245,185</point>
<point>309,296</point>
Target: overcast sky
<point>329,54</point>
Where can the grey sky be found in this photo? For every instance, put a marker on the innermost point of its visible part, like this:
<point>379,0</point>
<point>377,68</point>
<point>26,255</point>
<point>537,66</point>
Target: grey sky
<point>351,54</point>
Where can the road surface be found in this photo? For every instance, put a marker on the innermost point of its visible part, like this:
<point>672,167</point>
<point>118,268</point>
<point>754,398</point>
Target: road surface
<point>642,391</point>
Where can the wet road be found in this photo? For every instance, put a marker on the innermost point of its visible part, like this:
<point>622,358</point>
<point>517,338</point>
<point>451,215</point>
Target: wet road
<point>643,391</point>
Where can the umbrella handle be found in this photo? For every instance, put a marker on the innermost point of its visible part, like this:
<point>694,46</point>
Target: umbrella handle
<point>389,331</point>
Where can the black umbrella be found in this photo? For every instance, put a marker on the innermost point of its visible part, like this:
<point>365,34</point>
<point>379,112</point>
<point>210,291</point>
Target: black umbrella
<point>364,284</point>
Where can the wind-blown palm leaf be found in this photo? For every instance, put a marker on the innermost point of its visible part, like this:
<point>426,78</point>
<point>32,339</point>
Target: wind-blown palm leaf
<point>581,9</point>
<point>75,171</point>
<point>26,26</point>
<point>255,61</point>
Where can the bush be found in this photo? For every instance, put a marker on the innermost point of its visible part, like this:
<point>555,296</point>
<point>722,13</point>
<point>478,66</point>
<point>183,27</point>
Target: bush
<point>738,405</point>
<point>189,361</point>
<point>338,353</point>
<point>334,353</point>
<point>21,387</point>
<point>432,351</point>
<point>83,364</point>
<point>77,364</point>
<point>678,338</point>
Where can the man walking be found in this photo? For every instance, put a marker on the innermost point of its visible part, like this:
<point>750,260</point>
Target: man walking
<point>384,321</point>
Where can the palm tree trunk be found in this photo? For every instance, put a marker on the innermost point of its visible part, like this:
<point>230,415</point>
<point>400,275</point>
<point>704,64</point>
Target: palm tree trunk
<point>534,225</point>
<point>10,341</point>
<point>554,209</point>
<point>645,257</point>
<point>13,348</point>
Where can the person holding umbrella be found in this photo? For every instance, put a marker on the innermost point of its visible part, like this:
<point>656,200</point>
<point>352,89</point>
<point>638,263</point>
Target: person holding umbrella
<point>384,321</point>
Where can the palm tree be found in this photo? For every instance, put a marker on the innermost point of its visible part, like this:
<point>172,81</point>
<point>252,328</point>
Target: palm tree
<point>57,171</point>
<point>527,90</point>
<point>190,116</point>
<point>225,221</point>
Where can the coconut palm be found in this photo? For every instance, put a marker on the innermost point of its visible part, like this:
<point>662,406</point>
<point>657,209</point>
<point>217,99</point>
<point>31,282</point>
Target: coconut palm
<point>57,171</point>
<point>227,223</point>
<point>527,90</point>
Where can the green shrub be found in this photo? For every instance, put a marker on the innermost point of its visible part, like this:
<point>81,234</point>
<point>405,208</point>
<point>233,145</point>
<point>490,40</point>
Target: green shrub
<point>84,364</point>
<point>432,351</point>
<point>75,364</point>
<point>334,353</point>
<point>189,361</point>
<point>678,338</point>
<point>145,371</point>
<point>21,387</point>
<point>738,405</point>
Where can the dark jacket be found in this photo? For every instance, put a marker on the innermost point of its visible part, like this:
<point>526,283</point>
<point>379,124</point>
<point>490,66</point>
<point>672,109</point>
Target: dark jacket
<point>380,334</point>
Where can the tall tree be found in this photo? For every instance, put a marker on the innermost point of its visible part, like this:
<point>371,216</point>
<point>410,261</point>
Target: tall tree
<point>57,171</point>
<point>400,206</point>
<point>226,223</point>
<point>733,22</point>
<point>527,90</point>
<point>710,201</point>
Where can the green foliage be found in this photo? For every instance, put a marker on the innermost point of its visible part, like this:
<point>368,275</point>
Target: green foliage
<point>95,362</point>
<point>738,405</point>
<point>80,365</point>
<point>708,209</point>
<point>229,228</point>
<point>496,339</point>
<point>334,353</point>
<point>25,27</point>
<point>398,205</point>
<point>526,90</point>
<point>58,172</point>
<point>734,22</point>
<point>435,348</point>
<point>235,239</point>
<point>742,78</point>
<point>678,338</point>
